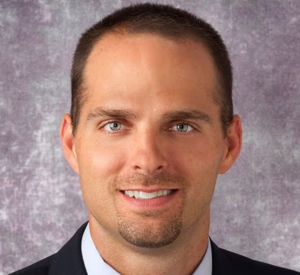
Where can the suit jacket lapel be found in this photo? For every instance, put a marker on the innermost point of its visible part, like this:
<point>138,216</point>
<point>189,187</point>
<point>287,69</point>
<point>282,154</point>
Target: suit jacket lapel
<point>68,260</point>
<point>221,264</point>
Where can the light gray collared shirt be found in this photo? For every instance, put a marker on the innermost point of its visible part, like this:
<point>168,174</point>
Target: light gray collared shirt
<point>95,265</point>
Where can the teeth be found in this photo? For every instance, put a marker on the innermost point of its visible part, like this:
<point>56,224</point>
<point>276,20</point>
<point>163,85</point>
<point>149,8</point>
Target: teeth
<point>145,195</point>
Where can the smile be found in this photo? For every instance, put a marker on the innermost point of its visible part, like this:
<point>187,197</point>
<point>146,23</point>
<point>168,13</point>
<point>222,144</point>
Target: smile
<point>140,195</point>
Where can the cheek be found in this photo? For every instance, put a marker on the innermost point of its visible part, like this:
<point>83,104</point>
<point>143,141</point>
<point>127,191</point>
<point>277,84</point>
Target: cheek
<point>98,168</point>
<point>100,160</point>
<point>195,160</point>
<point>200,167</point>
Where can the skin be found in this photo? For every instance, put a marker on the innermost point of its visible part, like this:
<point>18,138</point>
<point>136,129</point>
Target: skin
<point>165,134</point>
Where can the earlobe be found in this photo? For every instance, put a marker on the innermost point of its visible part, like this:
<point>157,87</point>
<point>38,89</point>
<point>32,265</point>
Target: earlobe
<point>67,140</point>
<point>233,144</point>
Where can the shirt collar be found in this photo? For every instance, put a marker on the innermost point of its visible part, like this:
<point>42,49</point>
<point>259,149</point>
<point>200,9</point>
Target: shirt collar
<point>95,265</point>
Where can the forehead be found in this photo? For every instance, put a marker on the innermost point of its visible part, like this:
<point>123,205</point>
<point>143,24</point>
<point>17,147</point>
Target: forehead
<point>147,65</point>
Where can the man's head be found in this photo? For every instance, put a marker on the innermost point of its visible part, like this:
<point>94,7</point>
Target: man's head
<point>164,21</point>
<point>150,143</point>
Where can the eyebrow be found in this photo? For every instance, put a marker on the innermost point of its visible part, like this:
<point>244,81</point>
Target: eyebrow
<point>126,114</point>
<point>188,114</point>
<point>113,113</point>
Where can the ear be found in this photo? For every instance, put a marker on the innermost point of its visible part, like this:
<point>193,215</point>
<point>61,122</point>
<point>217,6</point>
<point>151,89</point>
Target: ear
<point>67,140</point>
<point>233,144</point>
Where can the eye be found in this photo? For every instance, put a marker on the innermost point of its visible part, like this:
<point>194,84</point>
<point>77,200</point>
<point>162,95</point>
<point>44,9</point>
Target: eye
<point>182,127</point>
<point>113,126</point>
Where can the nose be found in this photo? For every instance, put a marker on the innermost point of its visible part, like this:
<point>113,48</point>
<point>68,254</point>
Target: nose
<point>148,153</point>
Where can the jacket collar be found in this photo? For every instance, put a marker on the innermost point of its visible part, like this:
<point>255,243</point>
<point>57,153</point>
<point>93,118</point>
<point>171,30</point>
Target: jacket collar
<point>221,264</point>
<point>68,260</point>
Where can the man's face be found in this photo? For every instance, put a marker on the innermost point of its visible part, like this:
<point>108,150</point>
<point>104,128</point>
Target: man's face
<point>149,144</point>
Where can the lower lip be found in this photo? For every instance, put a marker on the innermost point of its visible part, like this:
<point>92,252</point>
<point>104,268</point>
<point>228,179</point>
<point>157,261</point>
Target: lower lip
<point>150,203</point>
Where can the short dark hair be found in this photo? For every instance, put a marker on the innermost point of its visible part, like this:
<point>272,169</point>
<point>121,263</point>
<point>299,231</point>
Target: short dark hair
<point>166,21</point>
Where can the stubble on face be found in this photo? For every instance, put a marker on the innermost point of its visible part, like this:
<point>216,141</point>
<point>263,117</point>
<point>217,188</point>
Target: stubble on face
<point>167,224</point>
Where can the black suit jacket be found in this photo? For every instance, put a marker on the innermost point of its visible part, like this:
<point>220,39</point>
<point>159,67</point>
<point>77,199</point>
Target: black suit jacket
<point>68,261</point>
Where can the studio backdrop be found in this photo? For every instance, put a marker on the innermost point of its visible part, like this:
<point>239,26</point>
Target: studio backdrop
<point>256,206</point>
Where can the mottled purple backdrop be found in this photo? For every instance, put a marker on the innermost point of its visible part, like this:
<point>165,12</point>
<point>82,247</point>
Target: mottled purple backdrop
<point>256,208</point>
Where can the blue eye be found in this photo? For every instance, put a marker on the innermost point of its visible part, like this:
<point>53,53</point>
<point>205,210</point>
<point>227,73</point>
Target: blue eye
<point>113,126</point>
<point>182,127</point>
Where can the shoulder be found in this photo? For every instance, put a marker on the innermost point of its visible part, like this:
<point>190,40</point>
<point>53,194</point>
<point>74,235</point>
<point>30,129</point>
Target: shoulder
<point>226,262</point>
<point>39,268</point>
<point>68,260</point>
<point>247,266</point>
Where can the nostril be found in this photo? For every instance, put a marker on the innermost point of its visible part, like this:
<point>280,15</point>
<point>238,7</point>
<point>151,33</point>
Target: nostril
<point>148,169</point>
<point>147,163</point>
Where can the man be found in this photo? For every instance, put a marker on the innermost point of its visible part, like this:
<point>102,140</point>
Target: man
<point>150,129</point>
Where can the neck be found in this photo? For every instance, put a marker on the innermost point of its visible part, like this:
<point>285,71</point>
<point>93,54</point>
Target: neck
<point>180,257</point>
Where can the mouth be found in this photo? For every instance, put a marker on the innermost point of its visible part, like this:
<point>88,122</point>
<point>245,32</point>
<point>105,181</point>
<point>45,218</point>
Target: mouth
<point>141,195</point>
<point>154,199</point>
